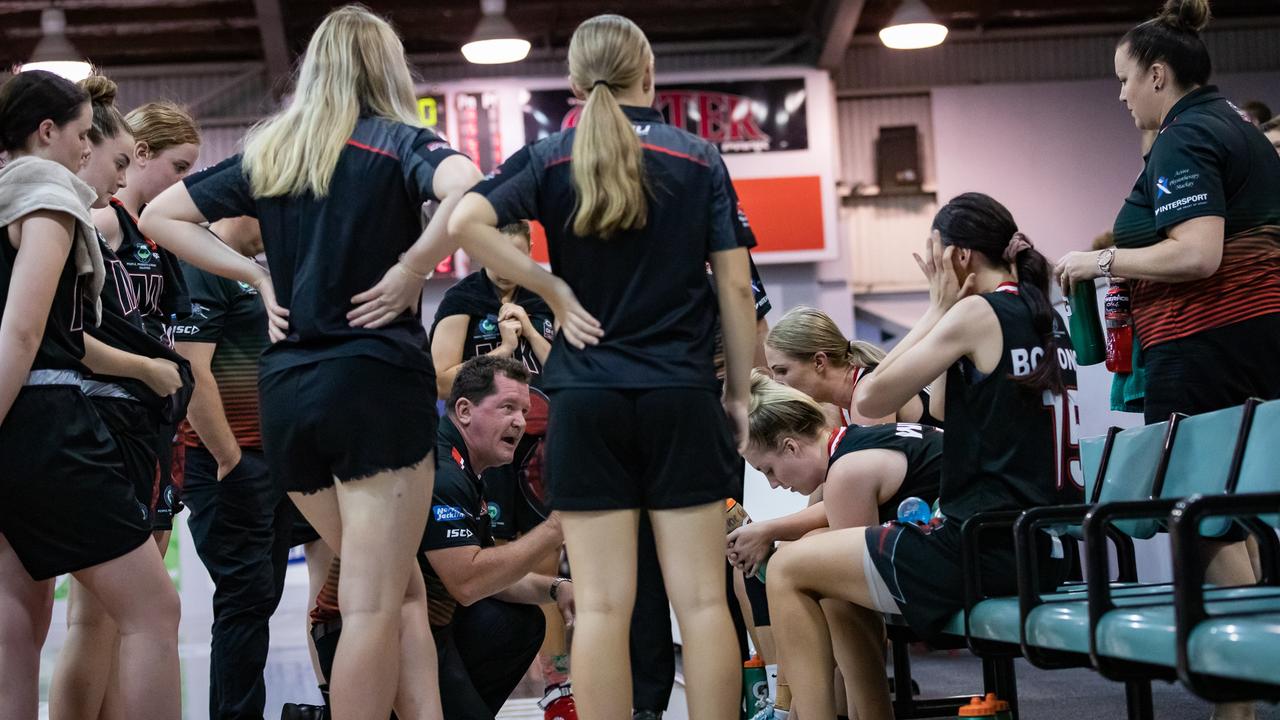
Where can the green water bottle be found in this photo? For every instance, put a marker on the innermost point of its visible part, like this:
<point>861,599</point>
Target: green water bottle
<point>755,688</point>
<point>978,709</point>
<point>1086,327</point>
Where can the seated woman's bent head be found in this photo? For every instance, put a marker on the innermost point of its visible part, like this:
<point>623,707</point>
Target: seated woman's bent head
<point>787,433</point>
<point>806,345</point>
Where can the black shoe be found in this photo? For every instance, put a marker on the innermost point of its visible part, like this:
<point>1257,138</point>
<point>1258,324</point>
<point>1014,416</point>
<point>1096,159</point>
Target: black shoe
<point>296,711</point>
<point>639,715</point>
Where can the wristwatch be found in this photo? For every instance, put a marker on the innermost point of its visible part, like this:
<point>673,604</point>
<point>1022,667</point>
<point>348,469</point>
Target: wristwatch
<point>1106,257</point>
<point>555,587</point>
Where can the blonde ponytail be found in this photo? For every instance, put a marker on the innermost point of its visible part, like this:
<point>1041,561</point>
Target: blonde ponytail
<point>776,411</point>
<point>804,332</point>
<point>607,53</point>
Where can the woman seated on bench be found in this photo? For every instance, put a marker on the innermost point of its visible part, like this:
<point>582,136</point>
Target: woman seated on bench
<point>1010,378</point>
<point>867,472</point>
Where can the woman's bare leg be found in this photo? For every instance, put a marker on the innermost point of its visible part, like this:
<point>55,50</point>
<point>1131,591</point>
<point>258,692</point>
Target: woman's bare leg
<point>383,518</point>
<point>137,593</point>
<point>85,663</point>
<point>319,558</point>
<point>857,633</point>
<point>691,551</point>
<point>602,551</point>
<point>800,575</point>
<point>26,607</point>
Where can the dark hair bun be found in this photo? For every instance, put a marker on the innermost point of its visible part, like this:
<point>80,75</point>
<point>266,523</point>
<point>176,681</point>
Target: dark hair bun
<point>1189,15</point>
<point>102,91</point>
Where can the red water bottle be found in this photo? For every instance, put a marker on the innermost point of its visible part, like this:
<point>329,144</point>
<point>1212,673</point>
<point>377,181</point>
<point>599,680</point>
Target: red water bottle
<point>1118,318</point>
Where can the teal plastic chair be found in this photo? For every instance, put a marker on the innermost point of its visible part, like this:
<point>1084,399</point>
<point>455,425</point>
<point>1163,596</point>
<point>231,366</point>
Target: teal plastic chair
<point>1231,651</point>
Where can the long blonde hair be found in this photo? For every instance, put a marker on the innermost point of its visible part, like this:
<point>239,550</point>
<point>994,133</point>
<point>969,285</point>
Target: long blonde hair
<point>777,411</point>
<point>607,53</point>
<point>355,62</point>
<point>804,332</point>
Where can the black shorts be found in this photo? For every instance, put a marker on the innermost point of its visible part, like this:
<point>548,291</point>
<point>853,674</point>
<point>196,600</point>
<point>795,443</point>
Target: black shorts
<point>923,570</point>
<point>171,453</point>
<point>1213,369</point>
<point>610,449</point>
<point>510,514</point>
<point>346,418</point>
<point>135,430</point>
<point>65,503</point>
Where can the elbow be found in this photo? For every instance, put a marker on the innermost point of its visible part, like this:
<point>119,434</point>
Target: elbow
<point>1204,267</point>
<point>467,594</point>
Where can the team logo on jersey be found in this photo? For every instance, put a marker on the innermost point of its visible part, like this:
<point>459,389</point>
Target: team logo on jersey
<point>1162,187</point>
<point>170,498</point>
<point>447,513</point>
<point>143,253</point>
<point>489,325</point>
<point>548,330</point>
<point>494,510</point>
<point>199,312</point>
<point>246,287</point>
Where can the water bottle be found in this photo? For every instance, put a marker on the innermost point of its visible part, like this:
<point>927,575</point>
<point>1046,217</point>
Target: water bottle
<point>735,516</point>
<point>913,510</point>
<point>755,689</point>
<point>999,708</point>
<point>1117,313</point>
<point>977,708</point>
<point>1086,329</point>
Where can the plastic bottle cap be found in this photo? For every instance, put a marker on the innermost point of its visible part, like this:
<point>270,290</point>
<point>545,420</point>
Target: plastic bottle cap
<point>754,662</point>
<point>976,708</point>
<point>729,503</point>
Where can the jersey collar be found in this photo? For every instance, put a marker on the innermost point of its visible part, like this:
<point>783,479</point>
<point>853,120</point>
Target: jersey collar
<point>642,114</point>
<point>1008,287</point>
<point>457,447</point>
<point>1199,96</point>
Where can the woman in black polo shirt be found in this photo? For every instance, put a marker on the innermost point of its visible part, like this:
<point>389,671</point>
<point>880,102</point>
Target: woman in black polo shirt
<point>633,209</point>
<point>1199,235</point>
<point>337,181</point>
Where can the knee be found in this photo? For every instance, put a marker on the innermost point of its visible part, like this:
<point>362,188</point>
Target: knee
<point>785,570</point>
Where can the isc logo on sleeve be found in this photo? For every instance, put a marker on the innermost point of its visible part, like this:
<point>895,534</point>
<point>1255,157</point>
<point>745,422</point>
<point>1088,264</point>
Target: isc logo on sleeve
<point>447,513</point>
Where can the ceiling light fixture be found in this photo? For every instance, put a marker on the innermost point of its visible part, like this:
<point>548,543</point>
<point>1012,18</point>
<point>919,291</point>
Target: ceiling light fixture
<point>495,40</point>
<point>54,52</point>
<point>913,27</point>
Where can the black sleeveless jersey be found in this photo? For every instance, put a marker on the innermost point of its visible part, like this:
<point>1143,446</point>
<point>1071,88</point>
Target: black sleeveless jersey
<point>922,446</point>
<point>1011,448</point>
<point>62,347</point>
<point>476,297</point>
<point>158,284</point>
<point>119,296</point>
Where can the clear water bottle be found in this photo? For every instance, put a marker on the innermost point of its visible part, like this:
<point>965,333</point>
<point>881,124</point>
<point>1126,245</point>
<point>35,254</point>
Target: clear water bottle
<point>913,510</point>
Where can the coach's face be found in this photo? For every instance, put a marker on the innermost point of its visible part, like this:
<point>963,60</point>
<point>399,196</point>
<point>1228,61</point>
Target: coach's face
<point>495,425</point>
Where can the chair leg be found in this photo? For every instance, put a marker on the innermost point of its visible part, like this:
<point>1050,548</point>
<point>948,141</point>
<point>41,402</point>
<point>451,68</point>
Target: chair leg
<point>1137,695</point>
<point>901,673</point>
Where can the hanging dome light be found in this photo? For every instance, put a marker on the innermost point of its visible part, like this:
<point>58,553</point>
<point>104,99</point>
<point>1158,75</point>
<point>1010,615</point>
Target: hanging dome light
<point>913,27</point>
<point>54,52</point>
<point>495,40</point>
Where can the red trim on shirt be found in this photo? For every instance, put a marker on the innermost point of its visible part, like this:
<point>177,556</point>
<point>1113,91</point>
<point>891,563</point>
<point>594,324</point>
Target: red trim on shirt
<point>673,153</point>
<point>457,457</point>
<point>136,223</point>
<point>836,436</point>
<point>1008,287</point>
<point>372,149</point>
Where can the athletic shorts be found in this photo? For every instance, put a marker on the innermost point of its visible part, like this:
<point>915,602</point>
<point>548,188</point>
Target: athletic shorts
<point>134,429</point>
<point>611,449</point>
<point>921,570</point>
<point>65,503</point>
<point>346,418</point>
<point>1213,369</point>
<point>510,514</point>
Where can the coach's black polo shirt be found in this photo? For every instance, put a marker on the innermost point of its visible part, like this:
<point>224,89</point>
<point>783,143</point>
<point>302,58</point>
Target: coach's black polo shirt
<point>323,251</point>
<point>647,287</point>
<point>1208,160</point>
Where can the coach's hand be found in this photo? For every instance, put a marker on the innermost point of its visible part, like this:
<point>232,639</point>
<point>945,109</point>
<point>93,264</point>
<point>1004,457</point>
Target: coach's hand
<point>564,602</point>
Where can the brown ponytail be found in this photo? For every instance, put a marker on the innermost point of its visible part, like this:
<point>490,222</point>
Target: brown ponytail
<point>607,53</point>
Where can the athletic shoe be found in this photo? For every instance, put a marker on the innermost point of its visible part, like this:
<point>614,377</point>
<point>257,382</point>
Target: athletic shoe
<point>297,711</point>
<point>557,703</point>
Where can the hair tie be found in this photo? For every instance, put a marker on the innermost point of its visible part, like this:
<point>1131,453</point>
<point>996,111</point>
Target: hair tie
<point>598,83</point>
<point>1017,244</point>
